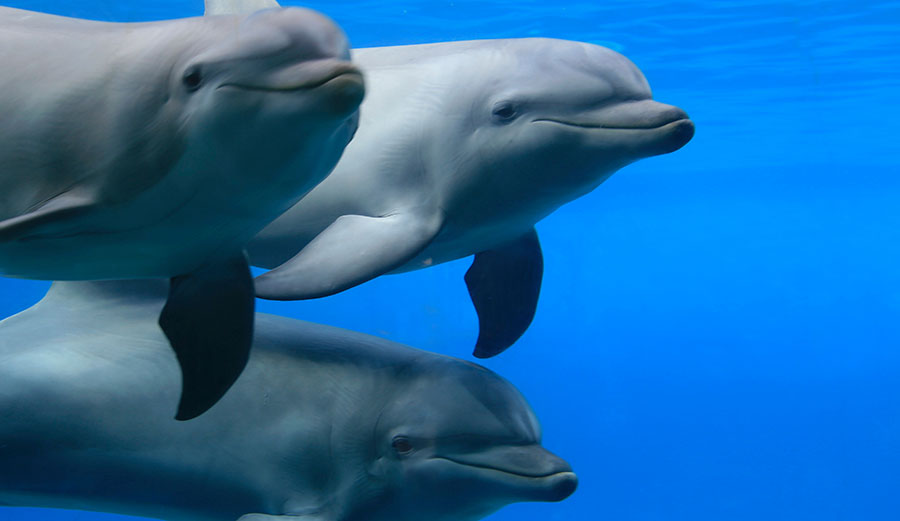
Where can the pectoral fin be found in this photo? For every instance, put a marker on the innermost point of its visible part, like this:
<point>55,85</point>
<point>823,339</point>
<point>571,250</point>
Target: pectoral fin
<point>53,217</point>
<point>208,319</point>
<point>353,250</point>
<point>504,284</point>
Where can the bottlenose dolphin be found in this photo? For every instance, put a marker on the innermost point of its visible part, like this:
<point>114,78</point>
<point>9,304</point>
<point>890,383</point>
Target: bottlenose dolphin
<point>158,150</point>
<point>462,148</point>
<point>323,425</point>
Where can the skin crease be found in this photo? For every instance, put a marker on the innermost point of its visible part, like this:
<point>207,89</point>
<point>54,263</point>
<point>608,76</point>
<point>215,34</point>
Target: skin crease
<point>324,425</point>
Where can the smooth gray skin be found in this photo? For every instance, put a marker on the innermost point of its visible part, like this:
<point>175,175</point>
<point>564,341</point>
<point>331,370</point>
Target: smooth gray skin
<point>166,178</point>
<point>217,7</point>
<point>462,148</point>
<point>308,431</point>
<point>159,149</point>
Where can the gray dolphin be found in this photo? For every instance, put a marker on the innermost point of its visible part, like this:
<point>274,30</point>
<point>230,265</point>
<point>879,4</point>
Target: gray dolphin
<point>323,425</point>
<point>158,150</point>
<point>462,148</point>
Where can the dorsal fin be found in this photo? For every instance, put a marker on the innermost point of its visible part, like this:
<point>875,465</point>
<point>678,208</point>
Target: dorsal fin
<point>214,7</point>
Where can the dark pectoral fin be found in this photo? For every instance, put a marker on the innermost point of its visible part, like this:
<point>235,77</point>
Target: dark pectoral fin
<point>504,284</point>
<point>353,250</point>
<point>51,217</point>
<point>208,319</point>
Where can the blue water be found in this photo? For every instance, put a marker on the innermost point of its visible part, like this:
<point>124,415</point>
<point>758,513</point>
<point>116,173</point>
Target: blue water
<point>718,335</point>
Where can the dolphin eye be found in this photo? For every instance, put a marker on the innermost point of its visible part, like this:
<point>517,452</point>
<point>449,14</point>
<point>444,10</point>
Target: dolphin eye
<point>505,111</point>
<point>402,445</point>
<point>192,78</point>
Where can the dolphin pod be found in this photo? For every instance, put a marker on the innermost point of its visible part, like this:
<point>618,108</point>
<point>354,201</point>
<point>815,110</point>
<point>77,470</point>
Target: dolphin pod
<point>158,150</point>
<point>323,425</point>
<point>462,148</point>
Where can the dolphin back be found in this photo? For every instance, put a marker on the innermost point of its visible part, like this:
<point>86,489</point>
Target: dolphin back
<point>218,7</point>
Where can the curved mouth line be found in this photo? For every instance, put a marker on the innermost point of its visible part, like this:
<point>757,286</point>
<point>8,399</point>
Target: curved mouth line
<point>605,127</point>
<point>291,88</point>
<point>511,473</point>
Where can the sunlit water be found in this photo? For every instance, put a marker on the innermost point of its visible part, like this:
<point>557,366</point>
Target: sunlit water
<point>718,336</point>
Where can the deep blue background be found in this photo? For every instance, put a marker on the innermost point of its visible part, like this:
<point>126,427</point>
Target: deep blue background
<point>718,334</point>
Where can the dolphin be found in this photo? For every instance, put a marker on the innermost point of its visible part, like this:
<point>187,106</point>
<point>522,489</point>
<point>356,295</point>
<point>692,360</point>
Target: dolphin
<point>324,424</point>
<point>160,149</point>
<point>462,148</point>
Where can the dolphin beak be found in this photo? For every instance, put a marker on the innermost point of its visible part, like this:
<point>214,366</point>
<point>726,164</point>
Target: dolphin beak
<point>339,83</point>
<point>645,127</point>
<point>301,76</point>
<point>528,472</point>
<point>665,128</point>
<point>642,114</point>
<point>672,125</point>
<point>668,125</point>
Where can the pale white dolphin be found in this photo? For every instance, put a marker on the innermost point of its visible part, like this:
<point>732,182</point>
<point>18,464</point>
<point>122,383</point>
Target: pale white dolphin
<point>158,150</point>
<point>323,425</point>
<point>462,148</point>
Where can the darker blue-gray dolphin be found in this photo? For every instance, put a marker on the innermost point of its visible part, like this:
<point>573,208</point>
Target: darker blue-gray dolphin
<point>324,424</point>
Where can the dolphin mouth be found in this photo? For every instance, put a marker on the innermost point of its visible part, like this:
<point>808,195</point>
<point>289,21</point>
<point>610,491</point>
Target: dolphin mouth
<point>343,72</point>
<point>519,473</point>
<point>640,115</point>
<point>672,122</point>
<point>653,129</point>
<point>552,485</point>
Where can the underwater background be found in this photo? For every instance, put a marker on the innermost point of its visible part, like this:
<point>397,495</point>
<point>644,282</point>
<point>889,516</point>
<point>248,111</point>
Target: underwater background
<point>718,333</point>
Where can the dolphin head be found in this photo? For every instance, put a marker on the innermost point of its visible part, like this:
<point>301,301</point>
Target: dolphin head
<point>459,443</point>
<point>279,83</point>
<point>552,119</point>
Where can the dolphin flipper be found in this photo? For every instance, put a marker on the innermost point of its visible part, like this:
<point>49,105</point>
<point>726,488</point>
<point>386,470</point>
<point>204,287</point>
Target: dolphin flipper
<point>60,209</point>
<point>353,250</point>
<point>504,284</point>
<point>208,319</point>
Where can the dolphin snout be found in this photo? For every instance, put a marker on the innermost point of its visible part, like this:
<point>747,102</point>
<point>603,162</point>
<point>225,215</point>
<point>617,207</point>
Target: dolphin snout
<point>643,114</point>
<point>307,33</point>
<point>532,461</point>
<point>561,486</point>
<point>682,132</point>
<point>301,50</point>
<point>670,126</point>
<point>671,113</point>
<point>526,472</point>
<point>679,128</point>
<point>340,83</point>
<point>552,477</point>
<point>308,75</point>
